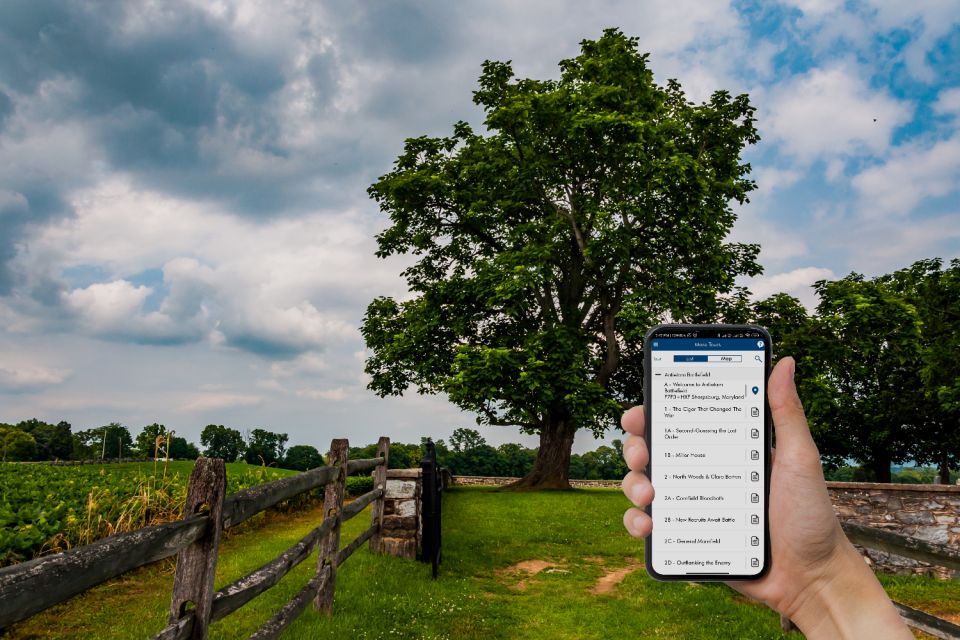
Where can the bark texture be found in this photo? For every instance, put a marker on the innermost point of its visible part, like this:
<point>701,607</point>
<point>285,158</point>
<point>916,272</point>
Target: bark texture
<point>551,469</point>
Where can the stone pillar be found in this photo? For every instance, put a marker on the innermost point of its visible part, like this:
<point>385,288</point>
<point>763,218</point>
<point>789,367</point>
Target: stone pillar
<point>401,513</point>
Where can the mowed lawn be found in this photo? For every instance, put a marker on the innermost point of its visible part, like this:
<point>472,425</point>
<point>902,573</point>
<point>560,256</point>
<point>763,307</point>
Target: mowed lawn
<point>515,565</point>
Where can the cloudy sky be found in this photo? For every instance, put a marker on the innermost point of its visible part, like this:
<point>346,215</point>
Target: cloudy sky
<point>185,235</point>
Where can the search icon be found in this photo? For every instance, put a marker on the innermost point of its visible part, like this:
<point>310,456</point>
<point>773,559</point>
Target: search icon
<point>757,358</point>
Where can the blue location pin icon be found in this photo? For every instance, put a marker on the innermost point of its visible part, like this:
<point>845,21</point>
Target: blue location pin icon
<point>755,390</point>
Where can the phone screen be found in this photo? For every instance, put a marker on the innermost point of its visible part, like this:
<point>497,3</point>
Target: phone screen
<point>708,436</point>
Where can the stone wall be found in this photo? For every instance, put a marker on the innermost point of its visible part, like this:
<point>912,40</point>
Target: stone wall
<point>401,513</point>
<point>925,511</point>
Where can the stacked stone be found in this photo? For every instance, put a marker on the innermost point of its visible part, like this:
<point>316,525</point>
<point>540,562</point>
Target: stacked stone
<point>928,512</point>
<point>401,513</point>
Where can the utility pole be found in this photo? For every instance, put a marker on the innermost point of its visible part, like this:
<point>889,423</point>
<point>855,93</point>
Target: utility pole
<point>103,452</point>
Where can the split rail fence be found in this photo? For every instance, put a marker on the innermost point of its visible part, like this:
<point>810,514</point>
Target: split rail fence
<point>30,587</point>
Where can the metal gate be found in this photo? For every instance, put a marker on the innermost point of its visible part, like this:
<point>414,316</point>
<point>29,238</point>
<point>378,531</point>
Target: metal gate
<point>430,514</point>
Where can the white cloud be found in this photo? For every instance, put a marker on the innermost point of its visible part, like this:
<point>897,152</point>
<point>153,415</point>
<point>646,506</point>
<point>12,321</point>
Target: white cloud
<point>817,8</point>
<point>30,377</point>
<point>948,102</point>
<point>829,24</point>
<point>115,310</point>
<point>305,364</point>
<point>831,112</point>
<point>885,244</point>
<point>323,394</point>
<point>910,175</point>
<point>292,285</point>
<point>107,305</point>
<point>770,179</point>
<point>218,401</point>
<point>796,283</point>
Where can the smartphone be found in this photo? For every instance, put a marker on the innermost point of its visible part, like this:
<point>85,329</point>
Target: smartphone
<point>708,434</point>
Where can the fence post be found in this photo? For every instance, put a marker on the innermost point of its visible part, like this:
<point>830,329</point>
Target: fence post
<point>430,512</point>
<point>332,506</point>
<point>379,482</point>
<point>197,563</point>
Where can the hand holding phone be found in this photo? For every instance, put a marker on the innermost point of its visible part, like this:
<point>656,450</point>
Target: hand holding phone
<point>815,576</point>
<point>708,436</point>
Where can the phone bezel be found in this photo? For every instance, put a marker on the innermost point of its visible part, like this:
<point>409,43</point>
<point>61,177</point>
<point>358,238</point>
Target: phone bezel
<point>707,331</point>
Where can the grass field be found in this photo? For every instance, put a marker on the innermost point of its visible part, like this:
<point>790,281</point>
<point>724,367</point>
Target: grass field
<point>516,565</point>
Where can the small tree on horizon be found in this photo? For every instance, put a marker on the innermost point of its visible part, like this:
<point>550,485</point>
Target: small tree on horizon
<point>592,207</point>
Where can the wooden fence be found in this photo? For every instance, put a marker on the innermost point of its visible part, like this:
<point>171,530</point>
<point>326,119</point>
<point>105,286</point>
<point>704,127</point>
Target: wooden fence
<point>30,587</point>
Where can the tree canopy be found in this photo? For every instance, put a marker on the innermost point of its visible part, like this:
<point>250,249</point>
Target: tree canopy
<point>265,447</point>
<point>302,457</point>
<point>591,207</point>
<point>222,442</point>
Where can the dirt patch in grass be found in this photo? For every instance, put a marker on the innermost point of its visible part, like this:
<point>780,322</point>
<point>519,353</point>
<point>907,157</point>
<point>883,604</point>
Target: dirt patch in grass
<point>527,568</point>
<point>530,567</point>
<point>608,582</point>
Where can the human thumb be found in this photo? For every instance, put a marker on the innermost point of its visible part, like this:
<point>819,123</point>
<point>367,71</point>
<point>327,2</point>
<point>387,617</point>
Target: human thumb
<point>790,423</point>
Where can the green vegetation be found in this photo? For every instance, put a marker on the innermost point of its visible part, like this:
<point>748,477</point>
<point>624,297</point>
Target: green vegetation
<point>483,592</point>
<point>546,245</point>
<point>899,475</point>
<point>877,367</point>
<point>46,508</point>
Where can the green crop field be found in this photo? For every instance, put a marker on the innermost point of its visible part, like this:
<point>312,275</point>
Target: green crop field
<point>46,508</point>
<point>516,565</point>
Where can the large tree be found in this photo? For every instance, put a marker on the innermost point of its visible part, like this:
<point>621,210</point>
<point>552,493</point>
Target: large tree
<point>222,442</point>
<point>109,441</point>
<point>590,207</point>
<point>865,396</point>
<point>16,444</point>
<point>146,443</point>
<point>935,293</point>
<point>265,447</point>
<point>302,457</point>
<point>54,441</point>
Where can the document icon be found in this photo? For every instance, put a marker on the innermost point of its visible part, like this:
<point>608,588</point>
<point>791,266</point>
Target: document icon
<point>754,541</point>
<point>754,562</point>
<point>755,476</point>
<point>754,497</point>
<point>754,412</point>
<point>754,455</point>
<point>754,433</point>
<point>754,518</point>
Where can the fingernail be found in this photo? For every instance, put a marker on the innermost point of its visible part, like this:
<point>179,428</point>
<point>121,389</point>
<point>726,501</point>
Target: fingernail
<point>637,492</point>
<point>793,368</point>
<point>628,451</point>
<point>637,523</point>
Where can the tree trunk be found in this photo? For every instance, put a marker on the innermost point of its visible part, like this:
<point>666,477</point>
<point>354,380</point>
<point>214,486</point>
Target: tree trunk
<point>881,469</point>
<point>944,467</point>
<point>551,469</point>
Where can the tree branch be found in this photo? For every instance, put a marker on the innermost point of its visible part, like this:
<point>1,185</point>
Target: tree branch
<point>495,420</point>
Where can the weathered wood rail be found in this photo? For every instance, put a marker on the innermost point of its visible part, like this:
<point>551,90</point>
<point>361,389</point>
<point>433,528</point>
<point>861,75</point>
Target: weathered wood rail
<point>30,587</point>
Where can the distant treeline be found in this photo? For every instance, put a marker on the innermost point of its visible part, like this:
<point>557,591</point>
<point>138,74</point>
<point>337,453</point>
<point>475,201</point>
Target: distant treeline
<point>33,439</point>
<point>468,454</point>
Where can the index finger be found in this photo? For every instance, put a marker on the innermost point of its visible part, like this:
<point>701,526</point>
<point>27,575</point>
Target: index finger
<point>633,420</point>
